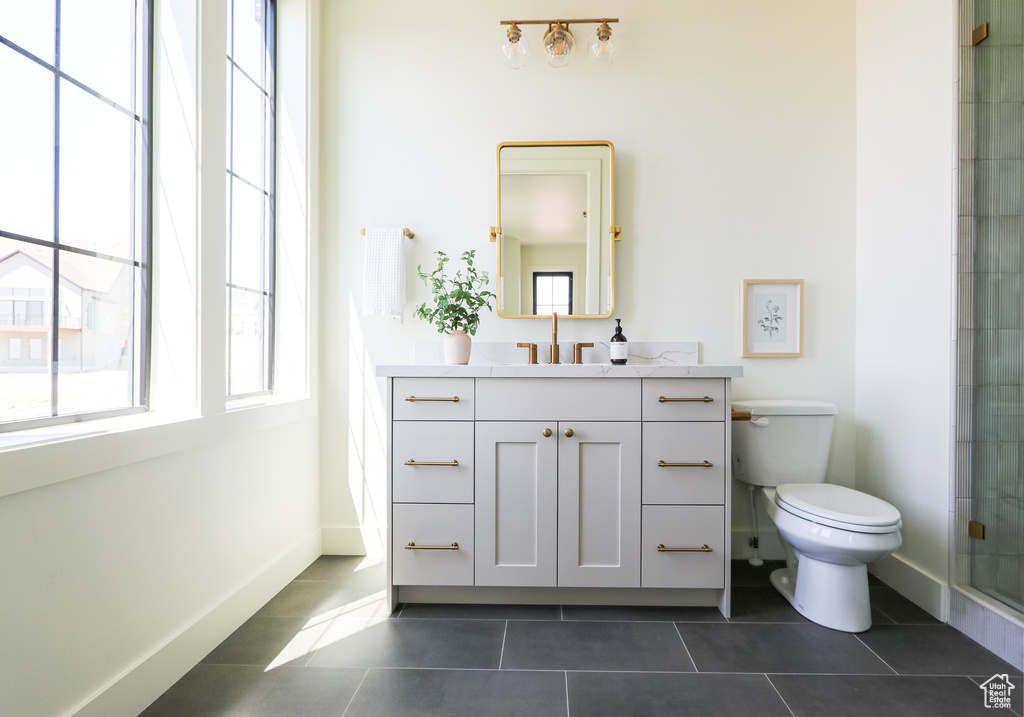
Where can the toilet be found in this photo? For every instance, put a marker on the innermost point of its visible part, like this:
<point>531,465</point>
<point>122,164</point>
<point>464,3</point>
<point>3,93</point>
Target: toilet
<point>830,533</point>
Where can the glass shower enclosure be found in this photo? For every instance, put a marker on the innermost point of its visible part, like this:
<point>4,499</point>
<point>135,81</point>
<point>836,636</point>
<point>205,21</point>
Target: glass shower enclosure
<point>990,340</point>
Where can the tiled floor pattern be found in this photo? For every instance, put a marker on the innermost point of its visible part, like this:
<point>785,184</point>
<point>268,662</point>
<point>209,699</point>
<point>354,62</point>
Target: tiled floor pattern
<point>325,646</point>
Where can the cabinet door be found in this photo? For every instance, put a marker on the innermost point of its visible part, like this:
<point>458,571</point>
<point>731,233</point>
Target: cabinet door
<point>516,503</point>
<point>599,504</point>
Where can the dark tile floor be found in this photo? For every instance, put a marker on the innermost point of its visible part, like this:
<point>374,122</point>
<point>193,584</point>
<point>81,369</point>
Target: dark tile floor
<point>325,646</point>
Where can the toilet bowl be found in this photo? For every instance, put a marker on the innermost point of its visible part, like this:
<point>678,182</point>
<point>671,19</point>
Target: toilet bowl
<point>825,577</point>
<point>830,533</point>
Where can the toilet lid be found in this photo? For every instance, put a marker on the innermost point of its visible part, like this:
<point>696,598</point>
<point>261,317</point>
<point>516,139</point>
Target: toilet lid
<point>838,507</point>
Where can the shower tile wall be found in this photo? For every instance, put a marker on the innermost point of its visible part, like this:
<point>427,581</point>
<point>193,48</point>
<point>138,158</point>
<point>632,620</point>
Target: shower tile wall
<point>990,337</point>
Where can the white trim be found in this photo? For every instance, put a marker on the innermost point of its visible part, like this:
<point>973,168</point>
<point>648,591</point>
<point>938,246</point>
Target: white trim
<point>927,591</point>
<point>147,678</point>
<point>66,454</point>
<point>354,540</point>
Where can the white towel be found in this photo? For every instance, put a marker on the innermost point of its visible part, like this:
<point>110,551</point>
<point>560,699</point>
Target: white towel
<point>384,273</point>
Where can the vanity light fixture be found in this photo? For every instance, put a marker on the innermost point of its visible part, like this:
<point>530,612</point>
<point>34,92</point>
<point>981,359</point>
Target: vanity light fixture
<point>602,51</point>
<point>558,42</point>
<point>516,49</point>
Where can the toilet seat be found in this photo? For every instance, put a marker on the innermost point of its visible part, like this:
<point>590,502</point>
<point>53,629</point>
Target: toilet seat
<point>838,507</point>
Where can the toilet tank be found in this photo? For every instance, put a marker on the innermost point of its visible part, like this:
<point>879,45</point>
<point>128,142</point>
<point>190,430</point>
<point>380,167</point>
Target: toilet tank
<point>786,441</point>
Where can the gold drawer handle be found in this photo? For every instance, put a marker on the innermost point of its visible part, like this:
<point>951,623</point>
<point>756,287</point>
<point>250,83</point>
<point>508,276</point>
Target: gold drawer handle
<point>453,546</point>
<point>705,399</point>
<point>702,549</point>
<point>411,462</point>
<point>702,464</point>
<point>414,399</point>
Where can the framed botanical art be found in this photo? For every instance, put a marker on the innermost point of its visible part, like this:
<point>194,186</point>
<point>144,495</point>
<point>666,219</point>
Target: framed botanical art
<point>773,318</point>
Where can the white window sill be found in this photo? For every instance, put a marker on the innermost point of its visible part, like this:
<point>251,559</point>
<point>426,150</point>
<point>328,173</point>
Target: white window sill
<point>44,456</point>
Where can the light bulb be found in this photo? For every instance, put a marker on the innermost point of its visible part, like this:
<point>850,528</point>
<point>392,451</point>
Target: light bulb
<point>558,44</point>
<point>602,51</point>
<point>516,49</point>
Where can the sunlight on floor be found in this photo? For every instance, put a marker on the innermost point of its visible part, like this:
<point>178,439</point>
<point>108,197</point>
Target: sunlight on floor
<point>369,561</point>
<point>334,625</point>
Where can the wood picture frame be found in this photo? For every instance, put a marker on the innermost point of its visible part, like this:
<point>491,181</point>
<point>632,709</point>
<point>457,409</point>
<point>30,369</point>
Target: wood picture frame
<point>773,318</point>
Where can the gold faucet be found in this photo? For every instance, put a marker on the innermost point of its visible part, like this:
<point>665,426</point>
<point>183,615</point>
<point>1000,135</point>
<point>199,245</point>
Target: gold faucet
<point>533,352</point>
<point>577,352</point>
<point>554,337</point>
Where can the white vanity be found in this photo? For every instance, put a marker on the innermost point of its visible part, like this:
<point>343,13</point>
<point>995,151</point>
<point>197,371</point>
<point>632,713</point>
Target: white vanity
<point>565,484</point>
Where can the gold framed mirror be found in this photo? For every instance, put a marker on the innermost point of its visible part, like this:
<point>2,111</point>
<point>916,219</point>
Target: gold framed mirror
<point>556,229</point>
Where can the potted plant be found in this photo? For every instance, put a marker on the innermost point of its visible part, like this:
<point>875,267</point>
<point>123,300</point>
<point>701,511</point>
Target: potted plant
<point>458,300</point>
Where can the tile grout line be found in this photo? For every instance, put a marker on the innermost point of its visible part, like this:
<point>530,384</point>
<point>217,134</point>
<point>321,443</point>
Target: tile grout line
<point>876,654</point>
<point>501,655</point>
<point>884,614</point>
<point>776,692</point>
<point>692,662</point>
<point>355,692</point>
<point>566,673</point>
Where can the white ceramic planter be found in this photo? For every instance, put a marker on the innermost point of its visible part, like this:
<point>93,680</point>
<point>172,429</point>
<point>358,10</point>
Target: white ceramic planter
<point>457,346</point>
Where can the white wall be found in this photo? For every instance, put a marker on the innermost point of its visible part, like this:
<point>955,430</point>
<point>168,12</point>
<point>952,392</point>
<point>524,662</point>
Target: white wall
<point>129,548</point>
<point>905,269</point>
<point>734,129</point>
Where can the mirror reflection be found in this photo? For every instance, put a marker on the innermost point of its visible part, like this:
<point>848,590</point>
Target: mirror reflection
<point>556,244</point>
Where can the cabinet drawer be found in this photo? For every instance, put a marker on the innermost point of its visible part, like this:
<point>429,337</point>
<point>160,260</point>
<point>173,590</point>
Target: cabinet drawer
<point>558,399</point>
<point>416,445</point>
<point>697,444</point>
<point>432,399</point>
<point>683,527</point>
<point>684,399</point>
<point>426,527</point>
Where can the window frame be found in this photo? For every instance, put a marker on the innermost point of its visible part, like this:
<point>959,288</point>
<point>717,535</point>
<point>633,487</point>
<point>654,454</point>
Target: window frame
<point>141,114</point>
<point>551,275</point>
<point>267,85</point>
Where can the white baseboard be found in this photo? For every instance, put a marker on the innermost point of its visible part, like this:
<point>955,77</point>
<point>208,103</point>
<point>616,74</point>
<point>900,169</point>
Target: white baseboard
<point>927,591</point>
<point>138,685</point>
<point>354,540</point>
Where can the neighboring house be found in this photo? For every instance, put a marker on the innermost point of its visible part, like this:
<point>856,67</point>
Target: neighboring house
<point>92,333</point>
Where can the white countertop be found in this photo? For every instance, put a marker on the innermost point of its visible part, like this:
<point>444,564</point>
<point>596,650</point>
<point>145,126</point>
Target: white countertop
<point>586,370</point>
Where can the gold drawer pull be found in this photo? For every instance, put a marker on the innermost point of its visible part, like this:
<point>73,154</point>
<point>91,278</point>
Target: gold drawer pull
<point>702,464</point>
<point>705,399</point>
<point>411,462</point>
<point>702,549</point>
<point>414,399</point>
<point>453,546</point>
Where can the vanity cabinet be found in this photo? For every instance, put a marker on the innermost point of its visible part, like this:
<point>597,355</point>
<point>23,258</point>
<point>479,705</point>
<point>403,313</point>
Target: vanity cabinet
<point>685,483</point>
<point>558,503</point>
<point>605,489</point>
<point>431,487</point>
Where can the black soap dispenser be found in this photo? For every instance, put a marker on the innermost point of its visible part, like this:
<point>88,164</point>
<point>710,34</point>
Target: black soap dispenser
<point>617,347</point>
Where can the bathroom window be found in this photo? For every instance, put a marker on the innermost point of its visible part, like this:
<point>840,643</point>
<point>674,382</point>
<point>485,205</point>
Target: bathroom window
<point>75,226</point>
<point>250,192</point>
<point>552,292</point>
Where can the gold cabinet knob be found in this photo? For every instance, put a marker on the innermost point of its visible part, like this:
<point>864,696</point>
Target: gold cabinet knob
<point>568,433</point>
<point>547,432</point>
